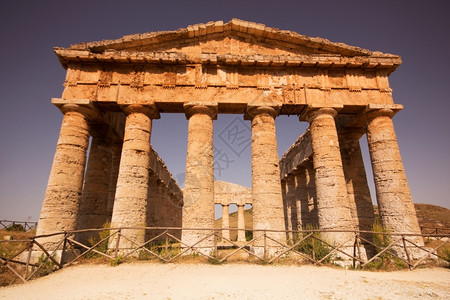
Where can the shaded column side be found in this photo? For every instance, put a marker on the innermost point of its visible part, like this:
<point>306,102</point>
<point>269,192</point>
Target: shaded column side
<point>355,176</point>
<point>93,211</point>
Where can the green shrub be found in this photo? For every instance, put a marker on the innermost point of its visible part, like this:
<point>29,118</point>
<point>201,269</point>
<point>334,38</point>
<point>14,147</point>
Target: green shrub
<point>15,227</point>
<point>314,247</point>
<point>103,246</point>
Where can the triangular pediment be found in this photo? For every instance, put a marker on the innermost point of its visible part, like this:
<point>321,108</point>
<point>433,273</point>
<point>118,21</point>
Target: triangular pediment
<point>235,37</point>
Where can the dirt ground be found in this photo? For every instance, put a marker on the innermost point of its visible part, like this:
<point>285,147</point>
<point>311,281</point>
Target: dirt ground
<point>231,281</point>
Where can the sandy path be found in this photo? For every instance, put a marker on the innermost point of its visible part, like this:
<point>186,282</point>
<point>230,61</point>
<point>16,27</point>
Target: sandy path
<point>231,281</point>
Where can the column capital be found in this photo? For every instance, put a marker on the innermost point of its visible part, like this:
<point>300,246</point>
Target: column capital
<point>252,111</point>
<point>149,110</point>
<point>192,108</point>
<point>310,113</point>
<point>382,112</point>
<point>351,133</point>
<point>90,112</point>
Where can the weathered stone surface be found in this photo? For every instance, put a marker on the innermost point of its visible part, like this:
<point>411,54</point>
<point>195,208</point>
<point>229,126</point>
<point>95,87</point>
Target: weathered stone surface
<point>132,184</point>
<point>60,208</point>
<point>198,211</point>
<point>332,201</point>
<point>236,67</point>
<point>116,152</point>
<point>226,193</point>
<point>226,221</point>
<point>395,205</point>
<point>93,210</point>
<point>361,206</point>
<point>241,224</point>
<point>266,184</point>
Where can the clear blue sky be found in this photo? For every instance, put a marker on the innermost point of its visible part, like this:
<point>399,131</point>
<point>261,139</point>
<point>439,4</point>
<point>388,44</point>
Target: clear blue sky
<point>30,75</point>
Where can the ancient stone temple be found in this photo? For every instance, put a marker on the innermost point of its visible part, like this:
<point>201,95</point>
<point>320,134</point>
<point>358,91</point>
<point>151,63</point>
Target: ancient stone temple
<point>115,88</point>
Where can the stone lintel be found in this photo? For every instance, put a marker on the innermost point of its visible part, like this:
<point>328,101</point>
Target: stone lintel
<point>226,193</point>
<point>296,155</point>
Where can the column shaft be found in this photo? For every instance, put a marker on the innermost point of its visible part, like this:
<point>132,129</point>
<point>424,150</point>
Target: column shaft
<point>313,210</point>
<point>332,201</point>
<point>198,209</point>
<point>94,202</point>
<point>395,204</point>
<point>130,204</point>
<point>241,224</point>
<point>301,197</point>
<point>266,183</point>
<point>226,221</point>
<point>291,205</point>
<point>355,176</point>
<point>116,151</point>
<point>60,208</point>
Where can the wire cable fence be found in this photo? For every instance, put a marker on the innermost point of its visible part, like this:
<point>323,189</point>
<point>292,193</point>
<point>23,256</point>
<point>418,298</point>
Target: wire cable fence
<point>30,258</point>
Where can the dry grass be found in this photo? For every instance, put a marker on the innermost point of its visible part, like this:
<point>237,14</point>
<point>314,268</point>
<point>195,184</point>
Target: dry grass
<point>7,250</point>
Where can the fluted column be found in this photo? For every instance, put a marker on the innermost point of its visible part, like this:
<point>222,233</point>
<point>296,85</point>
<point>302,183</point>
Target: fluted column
<point>116,151</point>
<point>226,221</point>
<point>241,224</point>
<point>94,201</point>
<point>266,183</point>
<point>395,203</point>
<point>313,214</point>
<point>355,176</point>
<point>65,184</point>
<point>198,211</point>
<point>291,206</point>
<point>132,184</point>
<point>332,200</point>
<point>301,198</point>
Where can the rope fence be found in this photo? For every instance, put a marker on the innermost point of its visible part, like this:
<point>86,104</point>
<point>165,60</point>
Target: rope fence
<point>27,258</point>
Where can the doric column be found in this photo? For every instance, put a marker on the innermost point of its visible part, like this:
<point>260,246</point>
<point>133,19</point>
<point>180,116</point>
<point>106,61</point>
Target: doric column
<point>291,206</point>
<point>313,217</point>
<point>355,176</point>
<point>241,224</point>
<point>332,200</point>
<point>65,184</point>
<point>94,201</point>
<point>225,221</point>
<point>132,184</point>
<point>395,204</point>
<point>116,151</point>
<point>266,183</point>
<point>301,198</point>
<point>198,211</point>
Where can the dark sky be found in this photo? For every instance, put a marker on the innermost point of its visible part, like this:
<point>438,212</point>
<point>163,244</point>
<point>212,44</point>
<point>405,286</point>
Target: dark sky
<point>30,75</point>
